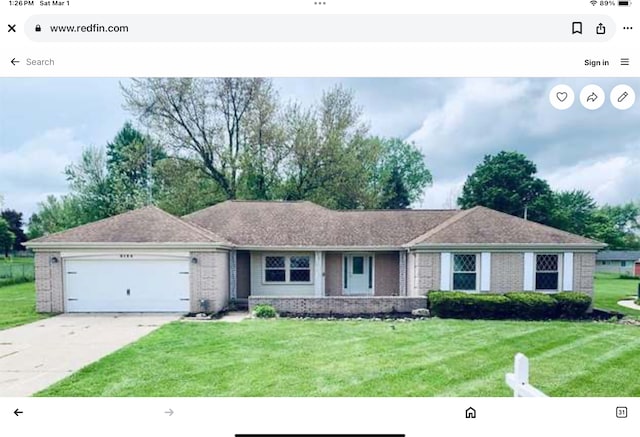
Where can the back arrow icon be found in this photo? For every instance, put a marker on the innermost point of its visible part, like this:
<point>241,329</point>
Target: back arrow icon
<point>18,412</point>
<point>170,412</point>
<point>14,62</point>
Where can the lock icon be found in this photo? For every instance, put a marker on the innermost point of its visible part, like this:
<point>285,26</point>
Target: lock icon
<point>38,28</point>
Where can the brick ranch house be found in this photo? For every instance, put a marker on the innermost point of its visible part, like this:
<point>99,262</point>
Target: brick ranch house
<point>301,258</point>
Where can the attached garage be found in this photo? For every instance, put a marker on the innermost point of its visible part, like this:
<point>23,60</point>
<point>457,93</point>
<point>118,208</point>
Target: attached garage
<point>126,285</point>
<point>140,261</point>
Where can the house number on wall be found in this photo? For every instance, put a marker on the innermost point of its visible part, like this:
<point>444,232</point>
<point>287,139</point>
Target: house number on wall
<point>126,255</point>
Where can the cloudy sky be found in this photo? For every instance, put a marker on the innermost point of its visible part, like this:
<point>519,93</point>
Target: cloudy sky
<point>44,123</point>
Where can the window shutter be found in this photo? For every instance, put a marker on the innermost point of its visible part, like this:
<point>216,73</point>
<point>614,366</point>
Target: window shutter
<point>567,271</point>
<point>445,271</point>
<point>528,271</point>
<point>485,271</point>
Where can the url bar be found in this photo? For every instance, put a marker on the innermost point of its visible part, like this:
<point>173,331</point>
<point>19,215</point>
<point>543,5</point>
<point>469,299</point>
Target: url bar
<point>320,28</point>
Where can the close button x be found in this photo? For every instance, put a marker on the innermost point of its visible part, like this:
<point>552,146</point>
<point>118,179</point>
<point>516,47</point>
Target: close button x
<point>12,28</point>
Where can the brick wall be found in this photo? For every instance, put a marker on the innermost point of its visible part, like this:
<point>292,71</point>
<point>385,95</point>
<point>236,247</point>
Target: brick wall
<point>584,268</point>
<point>323,306</point>
<point>209,280</point>
<point>426,273</point>
<point>507,272</point>
<point>49,289</point>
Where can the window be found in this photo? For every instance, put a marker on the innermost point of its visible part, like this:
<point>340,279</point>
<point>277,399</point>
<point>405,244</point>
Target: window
<point>547,272</point>
<point>465,272</point>
<point>358,265</point>
<point>285,268</point>
<point>300,269</point>
<point>274,269</point>
<point>623,263</point>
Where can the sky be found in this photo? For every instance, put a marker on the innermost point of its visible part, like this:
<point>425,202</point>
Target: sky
<point>45,123</point>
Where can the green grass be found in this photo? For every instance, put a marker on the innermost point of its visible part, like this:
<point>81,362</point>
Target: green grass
<point>365,358</point>
<point>18,305</point>
<point>16,270</point>
<point>609,289</point>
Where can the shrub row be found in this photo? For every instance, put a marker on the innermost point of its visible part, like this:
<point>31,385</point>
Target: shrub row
<point>517,305</point>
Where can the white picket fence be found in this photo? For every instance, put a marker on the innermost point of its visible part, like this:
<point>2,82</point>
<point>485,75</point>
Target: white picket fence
<point>519,379</point>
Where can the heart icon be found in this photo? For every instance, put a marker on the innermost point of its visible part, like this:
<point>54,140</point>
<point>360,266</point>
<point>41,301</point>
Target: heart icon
<point>562,96</point>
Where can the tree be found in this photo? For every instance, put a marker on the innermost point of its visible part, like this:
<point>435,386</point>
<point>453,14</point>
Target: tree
<point>329,159</point>
<point>180,187</point>
<point>203,119</point>
<point>573,212</point>
<point>130,158</point>
<point>55,215</point>
<point>90,185</point>
<point>265,147</point>
<point>395,194</point>
<point>7,238</point>
<point>618,226</point>
<point>401,174</point>
<point>507,182</point>
<point>14,220</point>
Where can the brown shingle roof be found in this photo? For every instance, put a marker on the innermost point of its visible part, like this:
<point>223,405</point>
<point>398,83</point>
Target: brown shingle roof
<point>144,225</point>
<point>482,225</point>
<point>299,224</point>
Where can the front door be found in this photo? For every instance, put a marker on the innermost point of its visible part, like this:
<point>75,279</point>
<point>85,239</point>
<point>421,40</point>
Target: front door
<point>358,271</point>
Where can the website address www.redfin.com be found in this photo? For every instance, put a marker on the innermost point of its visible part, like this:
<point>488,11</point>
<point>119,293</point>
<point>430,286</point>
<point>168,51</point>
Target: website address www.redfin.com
<point>97,28</point>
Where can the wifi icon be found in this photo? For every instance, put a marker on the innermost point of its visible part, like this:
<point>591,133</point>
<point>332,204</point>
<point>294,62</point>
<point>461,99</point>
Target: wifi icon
<point>593,2</point>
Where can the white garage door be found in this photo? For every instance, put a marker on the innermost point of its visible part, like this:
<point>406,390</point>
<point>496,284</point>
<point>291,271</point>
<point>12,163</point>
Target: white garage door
<point>137,285</point>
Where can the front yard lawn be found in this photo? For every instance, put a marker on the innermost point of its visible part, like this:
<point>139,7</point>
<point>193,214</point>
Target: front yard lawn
<point>18,305</point>
<point>610,289</point>
<point>365,358</point>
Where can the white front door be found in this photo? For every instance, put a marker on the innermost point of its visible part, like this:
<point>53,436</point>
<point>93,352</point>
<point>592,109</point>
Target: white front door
<point>138,285</point>
<point>358,274</point>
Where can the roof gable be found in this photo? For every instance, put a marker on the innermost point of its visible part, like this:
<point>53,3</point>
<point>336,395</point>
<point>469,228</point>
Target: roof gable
<point>145,225</point>
<point>480,225</point>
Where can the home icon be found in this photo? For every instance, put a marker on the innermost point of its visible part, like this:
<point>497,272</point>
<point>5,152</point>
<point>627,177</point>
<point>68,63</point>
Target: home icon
<point>470,413</point>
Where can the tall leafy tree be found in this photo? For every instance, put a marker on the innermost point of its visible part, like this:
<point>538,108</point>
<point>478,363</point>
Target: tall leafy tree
<point>131,157</point>
<point>507,182</point>
<point>14,220</point>
<point>264,146</point>
<point>55,215</point>
<point>401,174</point>
<point>7,238</point>
<point>329,159</point>
<point>202,119</point>
<point>395,194</point>
<point>180,187</point>
<point>618,226</point>
<point>573,212</point>
<point>90,185</point>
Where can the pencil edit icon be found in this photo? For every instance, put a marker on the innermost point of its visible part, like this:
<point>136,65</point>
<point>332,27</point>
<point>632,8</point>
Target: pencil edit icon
<point>622,97</point>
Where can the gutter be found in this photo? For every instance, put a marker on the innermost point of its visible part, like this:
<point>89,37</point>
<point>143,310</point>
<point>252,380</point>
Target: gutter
<point>189,246</point>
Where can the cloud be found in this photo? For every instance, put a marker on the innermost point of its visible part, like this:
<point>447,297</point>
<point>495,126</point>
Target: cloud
<point>35,169</point>
<point>484,116</point>
<point>614,180</point>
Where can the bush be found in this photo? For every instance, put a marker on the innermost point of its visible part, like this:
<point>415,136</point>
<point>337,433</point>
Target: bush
<point>528,305</point>
<point>264,311</point>
<point>572,305</point>
<point>516,305</point>
<point>626,276</point>
<point>458,305</point>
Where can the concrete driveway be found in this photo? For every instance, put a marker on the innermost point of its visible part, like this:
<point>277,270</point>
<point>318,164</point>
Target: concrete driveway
<point>36,355</point>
